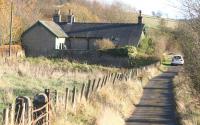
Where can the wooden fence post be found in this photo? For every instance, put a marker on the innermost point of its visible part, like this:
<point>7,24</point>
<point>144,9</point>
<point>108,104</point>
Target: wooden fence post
<point>134,73</point>
<point>102,83</point>
<point>74,97</point>
<point>82,91</point>
<point>119,76</point>
<point>29,110</point>
<point>6,116</point>
<point>47,92</point>
<point>137,72</point>
<point>130,74</point>
<point>12,114</point>
<point>105,81</point>
<point>125,76</point>
<point>88,90</point>
<point>93,84</point>
<point>66,97</point>
<point>23,113</point>
<point>41,110</point>
<point>114,78</point>
<point>110,78</point>
<point>21,110</point>
<point>56,99</point>
<point>98,84</point>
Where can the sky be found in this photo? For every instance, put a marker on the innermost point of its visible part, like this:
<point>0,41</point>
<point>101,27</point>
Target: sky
<point>169,8</point>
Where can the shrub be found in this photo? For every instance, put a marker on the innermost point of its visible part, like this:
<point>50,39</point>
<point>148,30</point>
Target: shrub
<point>147,46</point>
<point>127,51</point>
<point>104,44</point>
<point>140,61</point>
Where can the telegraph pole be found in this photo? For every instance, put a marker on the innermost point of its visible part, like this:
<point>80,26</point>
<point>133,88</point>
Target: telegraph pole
<point>11,23</point>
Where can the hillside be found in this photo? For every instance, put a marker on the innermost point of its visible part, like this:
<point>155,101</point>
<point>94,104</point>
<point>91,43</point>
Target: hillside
<point>27,12</point>
<point>154,22</point>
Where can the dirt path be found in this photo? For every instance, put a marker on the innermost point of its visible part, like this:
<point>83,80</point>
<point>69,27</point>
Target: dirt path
<point>156,106</point>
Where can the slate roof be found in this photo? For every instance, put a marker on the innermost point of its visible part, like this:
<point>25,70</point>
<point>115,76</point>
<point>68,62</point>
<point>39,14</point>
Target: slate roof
<point>122,33</point>
<point>127,33</point>
<point>54,28</point>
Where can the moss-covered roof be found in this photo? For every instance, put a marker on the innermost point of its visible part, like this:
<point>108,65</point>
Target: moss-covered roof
<point>54,28</point>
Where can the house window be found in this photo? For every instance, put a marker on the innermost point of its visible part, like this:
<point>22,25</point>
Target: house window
<point>57,46</point>
<point>60,46</point>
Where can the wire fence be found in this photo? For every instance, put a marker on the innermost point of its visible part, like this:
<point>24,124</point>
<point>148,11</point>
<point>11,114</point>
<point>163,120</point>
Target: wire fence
<point>40,110</point>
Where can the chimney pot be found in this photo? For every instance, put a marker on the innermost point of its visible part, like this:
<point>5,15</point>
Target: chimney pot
<point>140,18</point>
<point>57,16</point>
<point>70,18</point>
<point>58,12</point>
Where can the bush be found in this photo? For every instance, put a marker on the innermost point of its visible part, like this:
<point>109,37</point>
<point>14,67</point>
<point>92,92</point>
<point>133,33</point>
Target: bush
<point>147,46</point>
<point>140,61</point>
<point>127,51</point>
<point>104,44</point>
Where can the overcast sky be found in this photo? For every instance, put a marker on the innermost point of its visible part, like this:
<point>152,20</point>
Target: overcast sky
<point>167,7</point>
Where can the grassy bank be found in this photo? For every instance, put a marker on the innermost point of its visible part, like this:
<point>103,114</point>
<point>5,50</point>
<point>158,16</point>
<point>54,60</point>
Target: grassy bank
<point>38,73</point>
<point>187,99</point>
<point>109,106</point>
<point>28,76</point>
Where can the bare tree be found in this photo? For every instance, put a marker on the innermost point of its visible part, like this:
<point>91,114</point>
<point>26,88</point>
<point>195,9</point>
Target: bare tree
<point>188,34</point>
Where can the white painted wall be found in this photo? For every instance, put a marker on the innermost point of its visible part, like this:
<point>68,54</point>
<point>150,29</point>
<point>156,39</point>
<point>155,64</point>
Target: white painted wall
<point>60,42</point>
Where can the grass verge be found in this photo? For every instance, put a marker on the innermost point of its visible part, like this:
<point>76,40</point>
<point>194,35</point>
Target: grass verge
<point>109,106</point>
<point>187,100</point>
<point>29,76</point>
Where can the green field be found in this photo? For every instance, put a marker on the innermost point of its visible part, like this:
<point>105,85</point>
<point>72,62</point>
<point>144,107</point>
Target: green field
<point>154,22</point>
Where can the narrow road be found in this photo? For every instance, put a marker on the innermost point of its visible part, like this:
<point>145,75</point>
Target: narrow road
<point>157,104</point>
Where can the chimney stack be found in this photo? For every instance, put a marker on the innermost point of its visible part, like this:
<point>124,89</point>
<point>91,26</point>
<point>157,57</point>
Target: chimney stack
<point>57,16</point>
<point>140,20</point>
<point>70,18</point>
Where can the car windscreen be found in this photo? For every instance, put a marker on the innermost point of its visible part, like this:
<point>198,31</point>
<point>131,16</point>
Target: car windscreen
<point>177,57</point>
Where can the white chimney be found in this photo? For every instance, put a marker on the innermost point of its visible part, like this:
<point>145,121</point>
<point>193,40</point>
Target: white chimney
<point>70,18</point>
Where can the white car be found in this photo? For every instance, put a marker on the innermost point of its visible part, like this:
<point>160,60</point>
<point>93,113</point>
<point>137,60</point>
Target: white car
<point>177,60</point>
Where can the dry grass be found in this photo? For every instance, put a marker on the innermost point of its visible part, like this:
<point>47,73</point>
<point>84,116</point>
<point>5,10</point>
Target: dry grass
<point>42,68</point>
<point>29,76</point>
<point>104,44</point>
<point>154,22</point>
<point>109,106</point>
<point>32,75</point>
<point>110,117</point>
<point>187,99</point>
<point>16,50</point>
